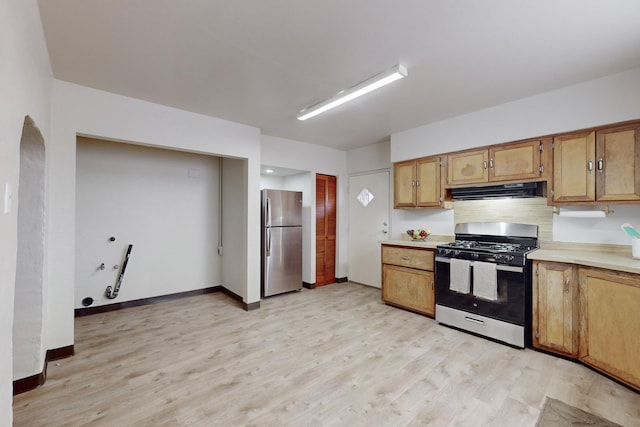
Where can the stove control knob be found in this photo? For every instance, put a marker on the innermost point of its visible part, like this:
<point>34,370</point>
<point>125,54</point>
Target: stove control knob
<point>456,253</point>
<point>510,258</point>
<point>498,257</point>
<point>474,255</point>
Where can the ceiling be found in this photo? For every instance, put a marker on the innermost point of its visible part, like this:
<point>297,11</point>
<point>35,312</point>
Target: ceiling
<point>258,62</point>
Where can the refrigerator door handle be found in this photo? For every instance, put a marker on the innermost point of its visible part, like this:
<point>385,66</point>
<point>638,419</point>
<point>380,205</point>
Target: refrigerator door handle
<point>268,245</point>
<point>267,213</point>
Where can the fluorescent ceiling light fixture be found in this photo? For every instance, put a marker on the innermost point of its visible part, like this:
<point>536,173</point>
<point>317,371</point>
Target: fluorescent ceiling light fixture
<point>375,82</point>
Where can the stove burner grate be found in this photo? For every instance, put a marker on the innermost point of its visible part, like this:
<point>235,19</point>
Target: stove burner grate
<point>488,246</point>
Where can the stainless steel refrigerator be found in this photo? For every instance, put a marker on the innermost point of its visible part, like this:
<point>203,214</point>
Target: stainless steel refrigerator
<point>281,241</point>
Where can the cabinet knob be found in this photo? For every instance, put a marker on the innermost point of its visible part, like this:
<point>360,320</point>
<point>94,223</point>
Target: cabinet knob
<point>600,164</point>
<point>566,286</point>
<point>590,165</point>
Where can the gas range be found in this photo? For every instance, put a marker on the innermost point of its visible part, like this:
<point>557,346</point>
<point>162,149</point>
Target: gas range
<point>501,243</point>
<point>489,300</point>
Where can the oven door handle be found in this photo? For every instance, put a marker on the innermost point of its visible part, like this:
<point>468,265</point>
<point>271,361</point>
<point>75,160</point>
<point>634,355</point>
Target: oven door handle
<point>499,267</point>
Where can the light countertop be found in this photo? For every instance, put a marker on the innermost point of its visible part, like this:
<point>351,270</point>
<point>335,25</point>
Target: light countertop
<point>429,243</point>
<point>619,260</point>
<point>611,257</point>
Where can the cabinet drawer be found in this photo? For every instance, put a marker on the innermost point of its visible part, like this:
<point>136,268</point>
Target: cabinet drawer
<point>405,257</point>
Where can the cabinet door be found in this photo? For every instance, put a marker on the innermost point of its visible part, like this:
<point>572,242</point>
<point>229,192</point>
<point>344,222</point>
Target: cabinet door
<point>404,178</point>
<point>574,167</point>
<point>408,288</point>
<point>515,161</point>
<point>618,164</point>
<point>429,188</point>
<point>555,307</point>
<point>610,323</point>
<point>468,167</point>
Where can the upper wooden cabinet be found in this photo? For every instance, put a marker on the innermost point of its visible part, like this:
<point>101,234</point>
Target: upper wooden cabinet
<point>468,167</point>
<point>417,183</point>
<point>555,307</point>
<point>599,165</point>
<point>618,163</point>
<point>516,161</point>
<point>584,167</point>
<point>573,167</point>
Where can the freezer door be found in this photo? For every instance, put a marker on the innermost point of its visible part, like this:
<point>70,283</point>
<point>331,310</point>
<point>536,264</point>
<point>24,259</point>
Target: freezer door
<point>281,208</point>
<point>282,260</point>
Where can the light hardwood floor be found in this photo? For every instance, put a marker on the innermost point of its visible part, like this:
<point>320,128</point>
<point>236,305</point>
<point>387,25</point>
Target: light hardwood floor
<point>332,356</point>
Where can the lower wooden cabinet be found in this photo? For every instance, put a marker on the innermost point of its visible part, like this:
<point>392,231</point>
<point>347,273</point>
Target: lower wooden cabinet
<point>555,307</point>
<point>408,278</point>
<point>589,314</point>
<point>610,323</point>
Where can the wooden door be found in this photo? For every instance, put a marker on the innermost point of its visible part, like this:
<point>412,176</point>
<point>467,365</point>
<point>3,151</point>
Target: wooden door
<point>574,167</point>
<point>468,167</point>
<point>555,307</point>
<point>326,208</point>
<point>429,188</point>
<point>610,323</point>
<point>515,161</point>
<point>404,179</point>
<point>618,163</point>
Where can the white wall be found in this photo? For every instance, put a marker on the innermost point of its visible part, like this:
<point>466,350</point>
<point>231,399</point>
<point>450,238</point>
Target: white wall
<point>163,202</point>
<point>607,100</point>
<point>369,158</point>
<point>602,101</point>
<point>25,85</point>
<point>272,182</point>
<point>315,159</point>
<point>89,112</point>
<point>234,231</point>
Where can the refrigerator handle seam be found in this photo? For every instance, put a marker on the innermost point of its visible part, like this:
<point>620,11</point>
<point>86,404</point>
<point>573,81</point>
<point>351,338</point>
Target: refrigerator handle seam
<point>268,213</point>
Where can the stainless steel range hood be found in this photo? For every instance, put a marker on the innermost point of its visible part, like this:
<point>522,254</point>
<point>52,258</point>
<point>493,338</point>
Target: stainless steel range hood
<point>518,190</point>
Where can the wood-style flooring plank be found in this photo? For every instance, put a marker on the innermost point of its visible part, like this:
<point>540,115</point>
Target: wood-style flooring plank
<point>334,355</point>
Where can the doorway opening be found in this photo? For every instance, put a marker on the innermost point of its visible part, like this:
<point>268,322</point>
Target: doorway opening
<point>28,349</point>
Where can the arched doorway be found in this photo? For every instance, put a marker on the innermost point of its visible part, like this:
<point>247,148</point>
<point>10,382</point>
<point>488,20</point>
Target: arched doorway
<point>28,349</point>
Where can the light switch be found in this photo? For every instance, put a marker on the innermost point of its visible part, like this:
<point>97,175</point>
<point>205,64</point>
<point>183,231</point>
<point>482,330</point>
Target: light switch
<point>7,197</point>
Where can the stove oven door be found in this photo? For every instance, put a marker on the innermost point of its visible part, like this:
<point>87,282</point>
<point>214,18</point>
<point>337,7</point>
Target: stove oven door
<point>513,288</point>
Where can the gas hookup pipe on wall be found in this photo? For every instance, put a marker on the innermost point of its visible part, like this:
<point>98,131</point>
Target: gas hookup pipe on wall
<point>110,292</point>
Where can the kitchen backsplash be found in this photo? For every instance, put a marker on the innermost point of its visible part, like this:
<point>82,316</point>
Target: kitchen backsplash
<point>522,211</point>
<point>552,228</point>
